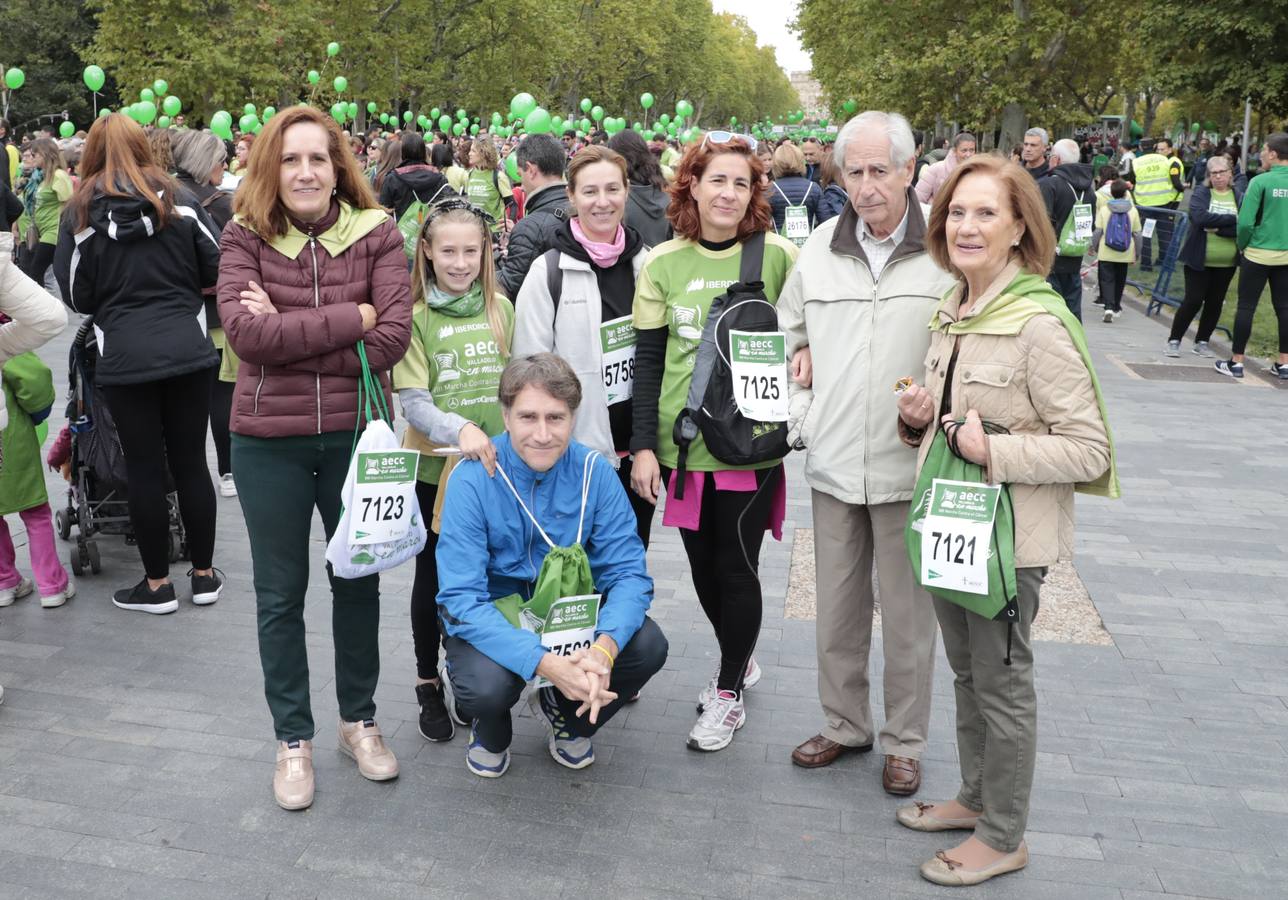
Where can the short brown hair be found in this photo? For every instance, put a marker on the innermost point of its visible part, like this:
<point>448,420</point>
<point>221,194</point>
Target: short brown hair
<point>788,160</point>
<point>257,200</point>
<point>547,371</point>
<point>1037,244</point>
<point>588,156</point>
<point>683,211</point>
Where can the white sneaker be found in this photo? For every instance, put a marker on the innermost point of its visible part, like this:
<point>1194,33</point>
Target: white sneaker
<point>1,693</point>
<point>715,727</point>
<point>17,592</point>
<point>58,599</point>
<point>749,679</point>
<point>1108,316</point>
<point>227,487</point>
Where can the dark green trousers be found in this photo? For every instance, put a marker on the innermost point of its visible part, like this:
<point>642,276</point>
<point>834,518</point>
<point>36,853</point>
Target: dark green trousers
<point>280,481</point>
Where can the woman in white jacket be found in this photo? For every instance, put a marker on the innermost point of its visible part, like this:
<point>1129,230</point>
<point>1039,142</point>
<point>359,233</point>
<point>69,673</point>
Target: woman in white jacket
<point>37,317</point>
<point>576,302</point>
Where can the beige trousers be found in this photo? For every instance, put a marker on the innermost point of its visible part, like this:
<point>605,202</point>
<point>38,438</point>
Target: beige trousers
<point>848,538</point>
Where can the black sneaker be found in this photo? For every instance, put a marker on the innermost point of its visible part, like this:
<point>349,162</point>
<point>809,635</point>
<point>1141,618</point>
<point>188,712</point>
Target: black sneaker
<point>206,588</point>
<point>1229,367</point>
<point>435,724</point>
<point>1279,370</point>
<point>141,598</point>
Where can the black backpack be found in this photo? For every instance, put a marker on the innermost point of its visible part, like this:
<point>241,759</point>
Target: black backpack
<point>711,407</point>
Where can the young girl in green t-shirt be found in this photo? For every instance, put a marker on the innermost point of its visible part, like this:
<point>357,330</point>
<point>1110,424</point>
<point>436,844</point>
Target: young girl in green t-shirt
<point>447,386</point>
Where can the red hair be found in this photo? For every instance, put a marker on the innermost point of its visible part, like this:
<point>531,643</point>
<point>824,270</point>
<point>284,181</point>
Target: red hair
<point>683,211</point>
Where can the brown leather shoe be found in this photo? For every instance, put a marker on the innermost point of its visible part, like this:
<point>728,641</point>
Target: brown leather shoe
<point>902,776</point>
<point>819,751</point>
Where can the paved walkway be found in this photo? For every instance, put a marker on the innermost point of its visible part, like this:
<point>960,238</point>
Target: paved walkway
<point>136,752</point>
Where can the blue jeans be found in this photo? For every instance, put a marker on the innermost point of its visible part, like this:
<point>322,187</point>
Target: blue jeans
<point>1069,286</point>
<point>485,690</point>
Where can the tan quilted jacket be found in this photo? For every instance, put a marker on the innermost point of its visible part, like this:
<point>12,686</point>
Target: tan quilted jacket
<point>1036,385</point>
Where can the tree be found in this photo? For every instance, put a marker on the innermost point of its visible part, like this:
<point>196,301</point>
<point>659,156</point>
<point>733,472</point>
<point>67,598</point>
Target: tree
<point>45,40</point>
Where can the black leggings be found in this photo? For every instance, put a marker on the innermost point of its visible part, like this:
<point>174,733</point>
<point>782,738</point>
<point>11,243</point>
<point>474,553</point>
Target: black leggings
<point>425,633</point>
<point>724,559</point>
<point>159,422</point>
<point>1252,281</point>
<point>1204,290</point>
<point>221,411</point>
<point>35,263</point>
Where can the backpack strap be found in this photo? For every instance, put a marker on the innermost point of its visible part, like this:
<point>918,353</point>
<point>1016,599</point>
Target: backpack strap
<point>554,277</point>
<point>781,194</point>
<point>686,427</point>
<point>541,531</point>
<point>586,471</point>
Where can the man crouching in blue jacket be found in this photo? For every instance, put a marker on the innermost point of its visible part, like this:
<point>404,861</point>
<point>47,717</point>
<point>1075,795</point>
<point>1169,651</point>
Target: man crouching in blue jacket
<point>490,548</point>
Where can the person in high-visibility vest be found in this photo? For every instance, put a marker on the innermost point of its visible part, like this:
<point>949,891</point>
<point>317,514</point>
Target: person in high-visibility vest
<point>1157,177</point>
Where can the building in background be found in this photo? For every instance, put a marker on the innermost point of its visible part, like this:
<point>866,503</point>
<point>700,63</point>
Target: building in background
<point>811,94</point>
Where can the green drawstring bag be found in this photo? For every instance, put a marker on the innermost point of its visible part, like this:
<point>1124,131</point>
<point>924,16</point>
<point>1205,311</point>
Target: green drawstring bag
<point>564,608</point>
<point>999,603</point>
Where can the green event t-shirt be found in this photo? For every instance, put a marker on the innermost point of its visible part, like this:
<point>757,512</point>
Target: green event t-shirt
<point>675,288</point>
<point>1221,251</point>
<point>488,196</point>
<point>458,360</point>
<point>51,197</point>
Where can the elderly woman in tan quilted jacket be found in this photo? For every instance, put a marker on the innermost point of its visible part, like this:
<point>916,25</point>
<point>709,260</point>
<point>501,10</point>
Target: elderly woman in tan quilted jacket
<point>1005,350</point>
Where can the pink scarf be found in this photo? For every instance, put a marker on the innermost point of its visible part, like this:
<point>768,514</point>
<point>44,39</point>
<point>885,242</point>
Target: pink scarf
<point>601,254</point>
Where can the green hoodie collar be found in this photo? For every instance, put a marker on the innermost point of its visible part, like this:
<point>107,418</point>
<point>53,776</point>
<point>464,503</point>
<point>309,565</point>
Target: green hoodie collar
<point>351,226</point>
<point>1024,297</point>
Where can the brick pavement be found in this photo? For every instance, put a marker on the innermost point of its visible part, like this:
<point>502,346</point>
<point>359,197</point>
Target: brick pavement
<point>136,752</point>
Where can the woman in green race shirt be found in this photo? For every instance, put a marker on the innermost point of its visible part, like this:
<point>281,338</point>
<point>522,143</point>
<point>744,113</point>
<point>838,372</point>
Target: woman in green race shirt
<point>447,386</point>
<point>486,187</point>
<point>44,192</point>
<point>718,202</point>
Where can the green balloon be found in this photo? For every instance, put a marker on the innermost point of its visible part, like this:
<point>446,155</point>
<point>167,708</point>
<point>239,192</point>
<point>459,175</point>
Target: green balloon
<point>337,112</point>
<point>474,129</point>
<point>684,109</point>
<point>146,95</point>
<point>522,104</point>
<point>444,122</point>
<point>822,123</point>
<point>733,120</point>
<point>314,76</point>
<point>352,110</point>
<point>407,116</point>
<point>597,113</point>
<point>161,86</point>
<point>434,114</point>
<point>248,122</point>
<point>538,121</point>
<point>670,129</point>
<point>556,124</point>
<point>850,106</point>
<point>584,123</point>
<point>163,122</point>
<point>458,129</point>
<point>462,114</point>
<point>221,123</point>
<point>586,104</point>
<point>94,78</point>
<point>423,122</point>
<point>268,113</point>
<point>67,129</point>
<point>664,119</point>
<point>248,109</point>
<point>646,134</point>
<point>646,100</point>
<point>14,79</point>
<point>372,106</point>
<point>496,120</point>
<point>636,126</point>
<point>147,113</point>
<point>332,49</point>
<point>171,105</point>
<point>512,168</point>
<point>104,112</point>
<point>341,84</point>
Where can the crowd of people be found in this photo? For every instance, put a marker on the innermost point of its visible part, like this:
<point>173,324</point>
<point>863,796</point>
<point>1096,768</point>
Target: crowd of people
<point>548,333</point>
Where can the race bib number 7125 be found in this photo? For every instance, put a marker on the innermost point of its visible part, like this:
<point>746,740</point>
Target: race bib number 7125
<point>758,365</point>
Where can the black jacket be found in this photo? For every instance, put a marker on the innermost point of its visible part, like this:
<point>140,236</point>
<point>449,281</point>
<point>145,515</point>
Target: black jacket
<point>546,210</point>
<point>219,204</point>
<point>416,181</point>
<point>798,191</point>
<point>1194,251</point>
<point>142,284</point>
<point>646,207</point>
<point>1061,187</point>
<point>10,206</point>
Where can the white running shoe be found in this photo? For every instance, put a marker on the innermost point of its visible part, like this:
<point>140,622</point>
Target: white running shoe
<point>59,598</point>
<point>227,487</point>
<point>750,679</point>
<point>715,727</point>
<point>17,592</point>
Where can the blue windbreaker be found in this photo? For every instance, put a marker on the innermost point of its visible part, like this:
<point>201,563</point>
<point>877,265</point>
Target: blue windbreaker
<point>489,548</point>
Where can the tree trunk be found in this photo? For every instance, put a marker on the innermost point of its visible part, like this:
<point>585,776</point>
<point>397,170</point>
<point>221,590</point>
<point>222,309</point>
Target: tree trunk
<point>1015,121</point>
<point>1124,133</point>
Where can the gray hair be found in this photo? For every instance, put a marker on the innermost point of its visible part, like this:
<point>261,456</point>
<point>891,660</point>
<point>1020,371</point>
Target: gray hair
<point>1229,168</point>
<point>1066,150</point>
<point>961,137</point>
<point>196,153</point>
<point>894,126</point>
<point>1040,134</point>
<point>546,371</point>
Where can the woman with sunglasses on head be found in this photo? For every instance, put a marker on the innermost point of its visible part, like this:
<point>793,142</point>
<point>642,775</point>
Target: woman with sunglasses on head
<point>717,203</point>
<point>576,302</point>
<point>310,266</point>
<point>447,384</point>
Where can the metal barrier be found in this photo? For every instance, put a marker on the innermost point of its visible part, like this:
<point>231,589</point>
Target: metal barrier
<point>1160,293</point>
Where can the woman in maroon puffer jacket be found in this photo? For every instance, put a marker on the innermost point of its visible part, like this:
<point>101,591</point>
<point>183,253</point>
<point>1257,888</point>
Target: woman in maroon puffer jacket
<point>310,265</point>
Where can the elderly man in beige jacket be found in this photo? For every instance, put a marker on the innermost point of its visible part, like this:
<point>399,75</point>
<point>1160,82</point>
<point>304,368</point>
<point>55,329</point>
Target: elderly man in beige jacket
<point>856,310</point>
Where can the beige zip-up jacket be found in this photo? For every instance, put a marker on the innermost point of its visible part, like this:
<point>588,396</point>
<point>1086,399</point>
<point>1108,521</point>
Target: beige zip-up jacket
<point>864,335</point>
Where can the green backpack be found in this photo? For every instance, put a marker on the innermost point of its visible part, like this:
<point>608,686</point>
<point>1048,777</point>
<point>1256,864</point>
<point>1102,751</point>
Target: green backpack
<point>412,219</point>
<point>1075,233</point>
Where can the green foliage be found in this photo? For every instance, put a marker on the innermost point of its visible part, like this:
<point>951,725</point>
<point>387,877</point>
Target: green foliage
<point>44,39</point>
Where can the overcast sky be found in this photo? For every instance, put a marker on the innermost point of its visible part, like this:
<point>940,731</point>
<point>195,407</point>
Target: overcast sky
<point>769,18</point>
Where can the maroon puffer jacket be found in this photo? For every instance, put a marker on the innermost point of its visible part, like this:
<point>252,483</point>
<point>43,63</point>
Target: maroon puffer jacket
<point>299,368</point>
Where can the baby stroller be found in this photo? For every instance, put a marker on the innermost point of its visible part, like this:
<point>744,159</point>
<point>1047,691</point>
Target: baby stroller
<point>97,500</point>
